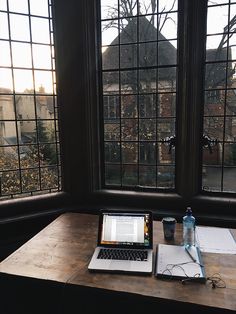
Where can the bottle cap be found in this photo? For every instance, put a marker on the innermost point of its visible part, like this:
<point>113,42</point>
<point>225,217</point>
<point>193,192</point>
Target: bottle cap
<point>189,211</point>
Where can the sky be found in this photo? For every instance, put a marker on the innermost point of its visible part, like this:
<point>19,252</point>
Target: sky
<point>217,19</point>
<point>23,53</point>
<point>170,27</point>
<point>41,52</point>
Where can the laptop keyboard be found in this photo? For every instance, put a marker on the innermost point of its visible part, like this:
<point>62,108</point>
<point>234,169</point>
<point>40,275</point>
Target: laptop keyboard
<point>119,254</point>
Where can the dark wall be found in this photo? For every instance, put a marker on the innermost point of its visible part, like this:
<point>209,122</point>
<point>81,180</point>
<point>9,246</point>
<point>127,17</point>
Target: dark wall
<point>15,232</point>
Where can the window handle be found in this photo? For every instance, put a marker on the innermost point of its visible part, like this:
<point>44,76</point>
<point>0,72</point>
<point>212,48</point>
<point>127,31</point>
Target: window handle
<point>208,142</point>
<point>169,141</point>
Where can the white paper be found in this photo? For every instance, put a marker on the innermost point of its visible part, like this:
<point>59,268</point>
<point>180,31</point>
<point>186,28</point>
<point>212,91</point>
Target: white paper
<point>215,240</point>
<point>173,260</point>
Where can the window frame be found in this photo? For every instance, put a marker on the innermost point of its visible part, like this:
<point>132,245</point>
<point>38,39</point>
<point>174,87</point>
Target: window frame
<point>81,132</point>
<point>29,141</point>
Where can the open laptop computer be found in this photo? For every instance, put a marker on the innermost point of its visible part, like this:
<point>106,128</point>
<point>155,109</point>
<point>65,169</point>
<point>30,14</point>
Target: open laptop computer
<point>124,242</point>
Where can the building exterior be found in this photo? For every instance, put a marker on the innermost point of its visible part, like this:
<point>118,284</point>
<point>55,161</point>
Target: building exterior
<point>26,110</point>
<point>139,101</point>
<point>139,98</point>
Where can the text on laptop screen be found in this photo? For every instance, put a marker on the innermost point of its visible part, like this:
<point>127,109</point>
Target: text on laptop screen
<point>126,229</point>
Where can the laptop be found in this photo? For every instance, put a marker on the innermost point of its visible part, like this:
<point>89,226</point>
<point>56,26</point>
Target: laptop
<point>125,242</point>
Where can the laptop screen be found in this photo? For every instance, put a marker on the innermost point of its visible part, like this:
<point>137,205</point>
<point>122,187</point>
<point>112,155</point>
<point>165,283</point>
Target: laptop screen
<point>126,229</point>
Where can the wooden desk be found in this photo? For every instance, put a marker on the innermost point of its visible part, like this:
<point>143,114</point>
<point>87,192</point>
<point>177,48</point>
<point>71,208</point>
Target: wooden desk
<point>48,274</point>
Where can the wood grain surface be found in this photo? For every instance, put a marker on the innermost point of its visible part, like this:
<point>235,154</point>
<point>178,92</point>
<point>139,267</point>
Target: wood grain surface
<point>61,253</point>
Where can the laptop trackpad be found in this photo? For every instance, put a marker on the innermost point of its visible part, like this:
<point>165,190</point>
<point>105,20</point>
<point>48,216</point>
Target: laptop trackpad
<point>120,265</point>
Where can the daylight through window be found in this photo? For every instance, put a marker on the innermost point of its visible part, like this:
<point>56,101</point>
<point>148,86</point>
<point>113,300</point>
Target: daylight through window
<point>139,65</point>
<point>219,154</point>
<point>29,144</point>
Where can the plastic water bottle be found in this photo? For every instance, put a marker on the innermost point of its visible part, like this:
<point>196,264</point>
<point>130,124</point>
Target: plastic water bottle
<point>189,228</point>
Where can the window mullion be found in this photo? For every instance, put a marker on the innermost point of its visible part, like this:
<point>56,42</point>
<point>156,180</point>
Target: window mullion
<point>192,31</point>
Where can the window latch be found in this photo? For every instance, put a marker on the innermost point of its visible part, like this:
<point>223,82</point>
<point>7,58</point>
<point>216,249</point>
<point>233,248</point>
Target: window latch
<point>169,141</point>
<point>208,142</point>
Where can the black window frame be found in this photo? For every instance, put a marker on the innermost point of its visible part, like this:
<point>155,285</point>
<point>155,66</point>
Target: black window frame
<point>78,61</point>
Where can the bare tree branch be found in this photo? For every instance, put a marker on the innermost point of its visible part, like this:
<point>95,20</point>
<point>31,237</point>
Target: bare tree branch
<point>166,16</point>
<point>228,32</point>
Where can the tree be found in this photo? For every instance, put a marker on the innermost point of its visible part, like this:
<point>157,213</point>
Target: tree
<point>30,168</point>
<point>212,79</point>
<point>127,27</point>
<point>27,179</point>
<point>47,150</point>
<point>130,8</point>
<point>133,56</point>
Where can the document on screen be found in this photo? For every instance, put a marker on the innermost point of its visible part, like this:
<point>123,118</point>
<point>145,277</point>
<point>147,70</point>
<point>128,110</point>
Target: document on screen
<point>124,229</point>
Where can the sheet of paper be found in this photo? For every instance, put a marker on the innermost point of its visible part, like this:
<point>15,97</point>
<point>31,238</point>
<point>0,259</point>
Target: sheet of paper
<point>173,260</point>
<point>215,240</point>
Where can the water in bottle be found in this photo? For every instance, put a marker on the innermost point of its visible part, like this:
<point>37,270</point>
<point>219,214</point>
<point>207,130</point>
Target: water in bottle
<point>189,228</point>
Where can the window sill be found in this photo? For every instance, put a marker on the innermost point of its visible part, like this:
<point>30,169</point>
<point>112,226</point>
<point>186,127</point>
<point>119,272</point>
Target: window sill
<point>32,206</point>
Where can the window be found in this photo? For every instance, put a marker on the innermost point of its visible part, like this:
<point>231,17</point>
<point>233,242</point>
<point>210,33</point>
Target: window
<point>29,142</point>
<point>139,64</point>
<point>137,110</point>
<point>219,167</point>
<point>140,67</point>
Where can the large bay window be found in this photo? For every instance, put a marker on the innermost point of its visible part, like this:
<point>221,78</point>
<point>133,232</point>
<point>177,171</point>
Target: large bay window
<point>146,98</point>
<point>29,142</point>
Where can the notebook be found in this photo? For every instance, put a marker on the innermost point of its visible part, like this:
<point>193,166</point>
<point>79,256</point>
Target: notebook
<point>124,242</point>
<point>179,262</point>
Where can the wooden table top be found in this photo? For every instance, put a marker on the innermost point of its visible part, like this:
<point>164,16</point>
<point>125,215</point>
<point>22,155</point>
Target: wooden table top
<point>61,252</point>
